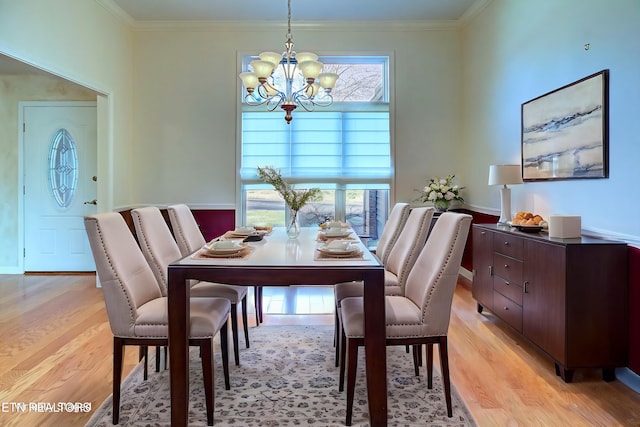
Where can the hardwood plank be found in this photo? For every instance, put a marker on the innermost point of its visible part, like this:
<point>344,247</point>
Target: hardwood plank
<point>57,347</point>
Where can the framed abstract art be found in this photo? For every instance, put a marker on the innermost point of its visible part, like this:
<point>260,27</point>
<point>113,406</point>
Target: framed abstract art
<point>565,132</point>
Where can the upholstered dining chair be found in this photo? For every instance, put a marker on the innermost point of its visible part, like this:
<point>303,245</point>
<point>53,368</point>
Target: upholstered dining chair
<point>160,248</point>
<point>391,231</point>
<point>190,238</point>
<point>422,314</point>
<point>137,310</point>
<point>401,258</point>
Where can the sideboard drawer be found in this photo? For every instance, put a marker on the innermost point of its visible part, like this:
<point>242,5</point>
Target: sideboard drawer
<point>508,311</point>
<point>508,268</point>
<point>508,245</point>
<point>510,290</point>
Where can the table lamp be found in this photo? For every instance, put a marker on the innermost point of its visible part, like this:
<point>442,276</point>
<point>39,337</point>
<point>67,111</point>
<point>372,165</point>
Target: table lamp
<point>503,175</point>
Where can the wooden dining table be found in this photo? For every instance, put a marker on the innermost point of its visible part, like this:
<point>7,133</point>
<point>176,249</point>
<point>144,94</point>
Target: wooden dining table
<point>277,260</point>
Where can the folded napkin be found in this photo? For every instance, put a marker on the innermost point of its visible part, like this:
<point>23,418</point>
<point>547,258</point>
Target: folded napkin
<point>241,254</point>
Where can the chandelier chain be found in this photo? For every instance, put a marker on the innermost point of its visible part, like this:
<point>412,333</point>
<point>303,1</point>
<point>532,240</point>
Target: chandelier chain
<point>289,21</point>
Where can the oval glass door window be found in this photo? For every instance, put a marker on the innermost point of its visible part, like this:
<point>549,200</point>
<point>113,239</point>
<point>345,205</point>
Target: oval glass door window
<point>63,168</point>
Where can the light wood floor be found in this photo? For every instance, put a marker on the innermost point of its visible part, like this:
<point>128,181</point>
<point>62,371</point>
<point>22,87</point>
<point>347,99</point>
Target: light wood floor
<point>56,345</point>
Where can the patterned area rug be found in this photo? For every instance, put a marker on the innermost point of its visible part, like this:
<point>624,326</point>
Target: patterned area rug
<point>286,378</point>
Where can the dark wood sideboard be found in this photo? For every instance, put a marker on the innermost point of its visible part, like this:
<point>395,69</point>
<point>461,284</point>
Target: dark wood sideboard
<point>566,296</point>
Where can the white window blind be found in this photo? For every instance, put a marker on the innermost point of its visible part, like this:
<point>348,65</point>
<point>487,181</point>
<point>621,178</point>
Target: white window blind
<point>321,146</point>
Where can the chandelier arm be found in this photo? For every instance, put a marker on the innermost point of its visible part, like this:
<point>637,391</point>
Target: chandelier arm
<point>275,101</point>
<point>304,101</point>
<point>250,99</point>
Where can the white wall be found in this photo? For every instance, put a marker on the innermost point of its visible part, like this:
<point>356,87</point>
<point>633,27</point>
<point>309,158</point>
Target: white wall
<point>187,92</point>
<point>517,50</point>
<point>86,43</point>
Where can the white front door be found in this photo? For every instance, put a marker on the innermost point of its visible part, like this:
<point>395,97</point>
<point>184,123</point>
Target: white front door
<point>60,186</point>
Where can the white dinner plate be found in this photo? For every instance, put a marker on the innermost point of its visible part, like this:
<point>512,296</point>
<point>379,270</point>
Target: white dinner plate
<point>224,251</point>
<point>337,251</point>
<point>343,233</point>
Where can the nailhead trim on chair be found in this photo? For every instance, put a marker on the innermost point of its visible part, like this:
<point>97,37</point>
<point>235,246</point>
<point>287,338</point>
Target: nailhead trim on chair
<point>415,251</point>
<point>164,280</point>
<point>440,274</point>
<point>115,274</point>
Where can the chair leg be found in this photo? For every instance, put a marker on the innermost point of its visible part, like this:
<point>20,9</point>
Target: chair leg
<point>416,360</point>
<point>143,353</point>
<point>224,347</point>
<point>234,332</point>
<point>343,362</point>
<point>207,373</point>
<point>444,363</point>
<point>257,296</point>
<point>352,367</point>
<point>166,357</point>
<point>430,365</point>
<point>337,332</point>
<point>245,323</point>
<point>158,348</point>
<point>118,353</point>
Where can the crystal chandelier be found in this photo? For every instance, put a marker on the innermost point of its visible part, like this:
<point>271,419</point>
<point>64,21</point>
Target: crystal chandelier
<point>297,86</point>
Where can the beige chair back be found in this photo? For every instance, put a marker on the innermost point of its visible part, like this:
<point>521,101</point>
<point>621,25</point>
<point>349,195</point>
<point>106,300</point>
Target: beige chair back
<point>397,217</point>
<point>410,242</point>
<point>432,280</point>
<point>156,242</point>
<point>126,279</point>
<point>185,229</point>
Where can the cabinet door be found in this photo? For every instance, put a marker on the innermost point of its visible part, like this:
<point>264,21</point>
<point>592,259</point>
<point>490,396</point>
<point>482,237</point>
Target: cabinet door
<point>543,305</point>
<point>482,288</point>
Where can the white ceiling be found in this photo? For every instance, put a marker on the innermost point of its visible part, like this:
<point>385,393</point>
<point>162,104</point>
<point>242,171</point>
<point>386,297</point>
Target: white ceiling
<point>306,10</point>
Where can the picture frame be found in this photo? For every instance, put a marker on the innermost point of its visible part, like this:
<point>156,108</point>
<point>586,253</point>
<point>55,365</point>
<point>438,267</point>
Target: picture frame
<point>565,132</point>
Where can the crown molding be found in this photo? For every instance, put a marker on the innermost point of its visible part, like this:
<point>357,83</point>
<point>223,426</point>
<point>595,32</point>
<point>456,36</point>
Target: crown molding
<point>343,26</point>
<point>117,11</point>
<point>476,9</point>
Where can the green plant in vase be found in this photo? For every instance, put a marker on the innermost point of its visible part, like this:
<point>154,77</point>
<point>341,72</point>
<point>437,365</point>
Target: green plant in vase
<point>295,199</point>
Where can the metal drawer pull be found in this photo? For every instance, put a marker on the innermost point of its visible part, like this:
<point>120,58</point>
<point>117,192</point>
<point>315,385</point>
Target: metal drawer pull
<point>507,283</point>
<point>506,266</point>
<point>506,243</point>
<point>524,288</point>
<point>506,309</point>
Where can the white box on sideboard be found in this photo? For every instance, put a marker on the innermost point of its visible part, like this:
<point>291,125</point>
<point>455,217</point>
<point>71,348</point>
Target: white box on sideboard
<point>565,226</point>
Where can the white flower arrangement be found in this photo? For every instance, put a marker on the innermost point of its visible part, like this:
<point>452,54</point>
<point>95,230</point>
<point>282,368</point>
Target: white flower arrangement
<point>441,191</point>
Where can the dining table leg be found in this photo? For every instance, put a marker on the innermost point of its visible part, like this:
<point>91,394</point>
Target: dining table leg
<point>375,346</point>
<point>178,302</point>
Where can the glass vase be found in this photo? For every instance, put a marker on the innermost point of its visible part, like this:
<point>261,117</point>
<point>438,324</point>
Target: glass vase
<point>441,205</point>
<point>292,224</point>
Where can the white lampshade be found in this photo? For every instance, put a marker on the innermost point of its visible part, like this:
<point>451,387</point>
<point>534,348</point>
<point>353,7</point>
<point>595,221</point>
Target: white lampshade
<point>272,57</point>
<point>504,174</point>
<point>249,80</point>
<point>328,80</point>
<point>310,69</point>
<point>263,69</point>
<point>306,56</point>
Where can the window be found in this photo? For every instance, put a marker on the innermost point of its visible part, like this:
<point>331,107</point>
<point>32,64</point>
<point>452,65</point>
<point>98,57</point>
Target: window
<point>343,149</point>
